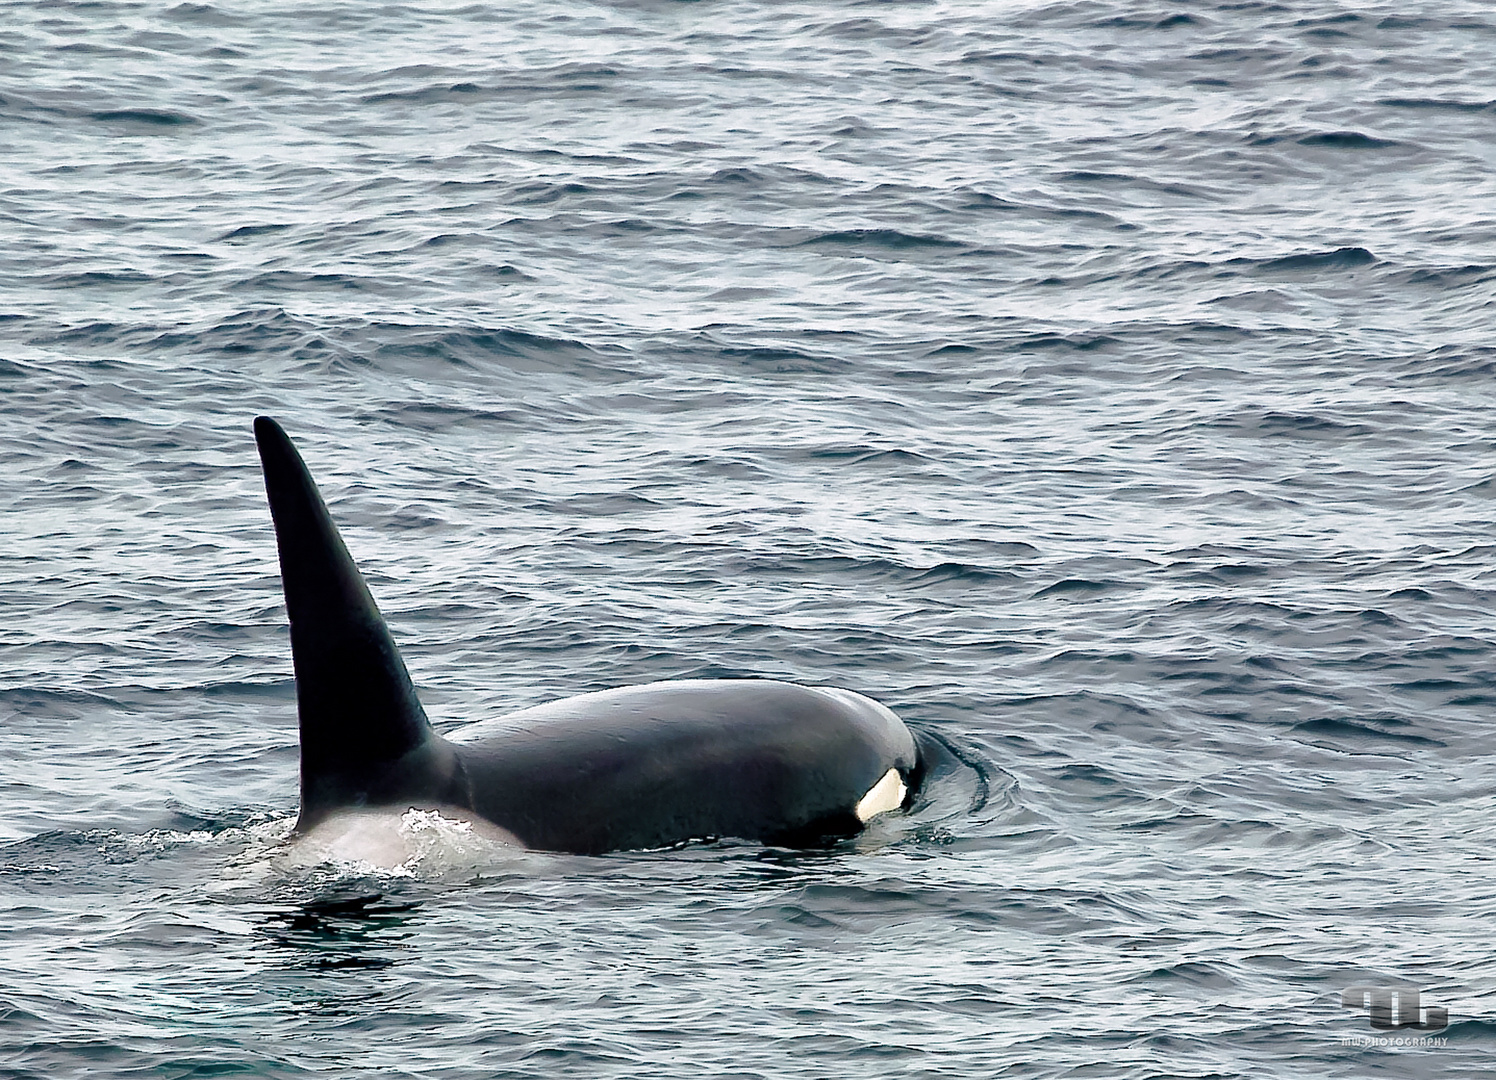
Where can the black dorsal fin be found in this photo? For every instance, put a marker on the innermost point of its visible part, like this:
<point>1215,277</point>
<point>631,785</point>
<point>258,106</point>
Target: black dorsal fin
<point>364,736</point>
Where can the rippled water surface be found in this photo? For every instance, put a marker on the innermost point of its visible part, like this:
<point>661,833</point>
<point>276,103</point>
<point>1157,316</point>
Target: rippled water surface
<point>1106,387</point>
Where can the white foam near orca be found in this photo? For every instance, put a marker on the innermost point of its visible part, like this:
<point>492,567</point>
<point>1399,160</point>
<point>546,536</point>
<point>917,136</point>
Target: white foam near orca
<point>637,767</point>
<point>387,838</point>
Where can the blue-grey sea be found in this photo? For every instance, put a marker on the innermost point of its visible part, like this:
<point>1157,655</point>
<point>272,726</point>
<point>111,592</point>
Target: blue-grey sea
<point>1108,387</point>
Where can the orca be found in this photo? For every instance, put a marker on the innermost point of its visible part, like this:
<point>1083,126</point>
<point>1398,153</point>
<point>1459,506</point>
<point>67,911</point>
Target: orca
<point>639,767</point>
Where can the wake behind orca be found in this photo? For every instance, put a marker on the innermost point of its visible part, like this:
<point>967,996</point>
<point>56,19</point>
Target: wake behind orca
<point>638,767</point>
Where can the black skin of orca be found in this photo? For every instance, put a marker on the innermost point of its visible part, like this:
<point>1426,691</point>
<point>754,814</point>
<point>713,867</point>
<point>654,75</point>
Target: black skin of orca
<point>640,767</point>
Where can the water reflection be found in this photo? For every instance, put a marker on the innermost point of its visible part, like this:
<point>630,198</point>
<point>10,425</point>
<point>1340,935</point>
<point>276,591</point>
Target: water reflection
<point>361,930</point>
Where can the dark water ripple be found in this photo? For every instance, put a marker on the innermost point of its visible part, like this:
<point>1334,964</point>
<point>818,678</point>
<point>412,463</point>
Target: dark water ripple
<point>1107,388</point>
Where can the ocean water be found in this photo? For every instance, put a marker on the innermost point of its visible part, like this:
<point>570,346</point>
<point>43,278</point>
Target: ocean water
<point>1106,387</point>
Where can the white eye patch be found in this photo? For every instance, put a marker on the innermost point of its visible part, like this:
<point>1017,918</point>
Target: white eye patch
<point>887,794</point>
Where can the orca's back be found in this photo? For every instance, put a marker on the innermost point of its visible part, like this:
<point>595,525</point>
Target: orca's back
<point>655,765</point>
